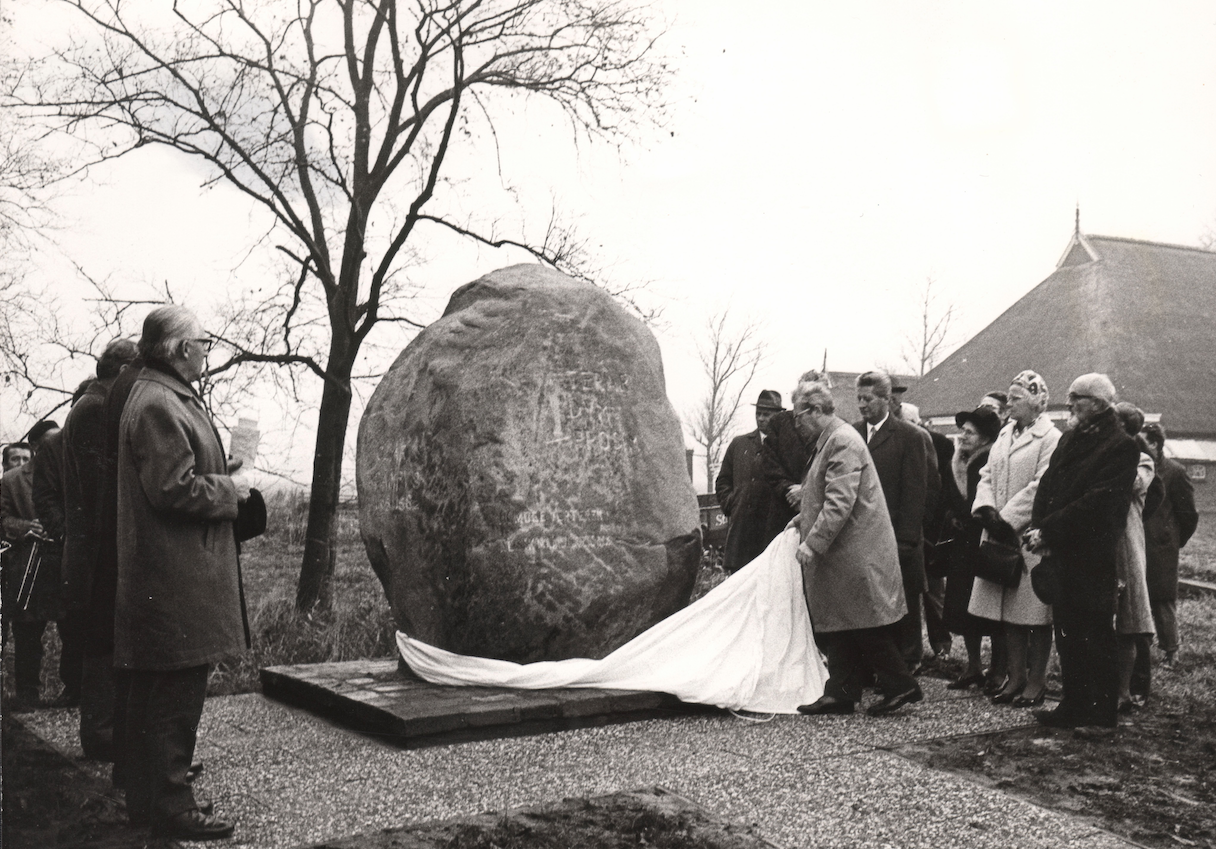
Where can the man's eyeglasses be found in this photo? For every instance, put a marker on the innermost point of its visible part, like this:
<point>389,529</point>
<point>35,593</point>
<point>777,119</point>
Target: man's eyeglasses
<point>804,411</point>
<point>1074,396</point>
<point>206,343</point>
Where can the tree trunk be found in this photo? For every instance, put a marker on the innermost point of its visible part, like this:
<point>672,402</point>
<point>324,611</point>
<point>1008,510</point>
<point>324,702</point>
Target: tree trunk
<point>320,537</point>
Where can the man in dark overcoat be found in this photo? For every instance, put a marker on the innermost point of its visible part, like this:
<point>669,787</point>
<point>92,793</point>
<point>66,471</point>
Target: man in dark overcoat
<point>757,511</point>
<point>1079,514</point>
<point>1166,531</point>
<point>850,564</point>
<point>83,462</point>
<point>177,608</point>
<point>900,457</point>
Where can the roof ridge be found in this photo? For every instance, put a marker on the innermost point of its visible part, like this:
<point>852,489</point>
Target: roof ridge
<point>1148,243</point>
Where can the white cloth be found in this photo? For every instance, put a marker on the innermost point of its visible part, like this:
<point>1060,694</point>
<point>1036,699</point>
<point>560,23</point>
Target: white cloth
<point>746,645</point>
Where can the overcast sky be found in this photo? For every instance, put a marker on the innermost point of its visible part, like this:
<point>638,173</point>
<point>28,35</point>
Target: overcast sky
<point>820,162</point>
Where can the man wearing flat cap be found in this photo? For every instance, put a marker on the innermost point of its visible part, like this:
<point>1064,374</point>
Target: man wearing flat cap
<point>1079,514</point>
<point>757,511</point>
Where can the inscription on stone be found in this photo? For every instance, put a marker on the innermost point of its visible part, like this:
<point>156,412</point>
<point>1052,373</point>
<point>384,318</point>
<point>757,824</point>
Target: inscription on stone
<point>521,474</point>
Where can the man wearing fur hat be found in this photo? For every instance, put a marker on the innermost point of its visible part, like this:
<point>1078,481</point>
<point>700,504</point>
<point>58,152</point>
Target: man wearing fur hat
<point>757,511</point>
<point>1080,511</point>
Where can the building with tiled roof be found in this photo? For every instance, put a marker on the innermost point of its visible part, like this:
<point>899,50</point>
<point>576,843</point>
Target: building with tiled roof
<point>1143,313</point>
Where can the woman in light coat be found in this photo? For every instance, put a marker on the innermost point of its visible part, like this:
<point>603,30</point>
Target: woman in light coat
<point>1006,491</point>
<point>1134,615</point>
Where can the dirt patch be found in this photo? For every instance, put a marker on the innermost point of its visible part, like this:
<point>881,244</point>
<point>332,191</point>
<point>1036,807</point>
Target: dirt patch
<point>1152,780</point>
<point>49,801</point>
<point>653,818</point>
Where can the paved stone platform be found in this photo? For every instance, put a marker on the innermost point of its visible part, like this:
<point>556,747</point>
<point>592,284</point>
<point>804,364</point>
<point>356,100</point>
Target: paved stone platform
<point>290,778</point>
<point>376,697</point>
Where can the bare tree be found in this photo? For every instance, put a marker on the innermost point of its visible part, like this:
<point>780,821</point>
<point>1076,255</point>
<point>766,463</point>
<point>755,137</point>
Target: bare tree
<point>730,359</point>
<point>923,350</point>
<point>25,220</point>
<point>340,118</point>
<point>1207,238</point>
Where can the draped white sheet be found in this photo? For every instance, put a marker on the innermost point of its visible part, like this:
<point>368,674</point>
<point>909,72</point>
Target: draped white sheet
<point>746,645</point>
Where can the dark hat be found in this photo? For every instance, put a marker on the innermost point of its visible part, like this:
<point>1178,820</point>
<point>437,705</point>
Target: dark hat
<point>41,429</point>
<point>985,419</point>
<point>250,517</point>
<point>897,386</point>
<point>769,399</point>
<point>1154,432</point>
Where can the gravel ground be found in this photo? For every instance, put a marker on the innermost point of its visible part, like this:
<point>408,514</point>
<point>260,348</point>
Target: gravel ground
<point>290,778</point>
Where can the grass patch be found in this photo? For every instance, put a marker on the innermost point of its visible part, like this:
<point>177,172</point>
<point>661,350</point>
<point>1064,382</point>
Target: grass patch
<point>358,625</point>
<point>1198,558</point>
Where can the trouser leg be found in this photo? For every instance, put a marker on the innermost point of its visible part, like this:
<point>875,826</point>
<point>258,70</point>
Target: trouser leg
<point>1091,671</point>
<point>908,630</point>
<point>162,722</point>
<point>1103,652</point>
<point>136,769</point>
<point>97,707</point>
<point>1165,619</point>
<point>122,709</point>
<point>880,653</point>
<point>844,664</point>
<point>71,653</point>
<point>935,601</point>
<point>27,656</point>
<point>1070,699</point>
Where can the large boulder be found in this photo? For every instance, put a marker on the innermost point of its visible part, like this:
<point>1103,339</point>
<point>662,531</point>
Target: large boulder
<point>523,492</point>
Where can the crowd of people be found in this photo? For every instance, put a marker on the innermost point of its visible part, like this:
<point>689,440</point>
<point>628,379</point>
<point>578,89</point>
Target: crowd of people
<point>123,527</point>
<point>1013,531</point>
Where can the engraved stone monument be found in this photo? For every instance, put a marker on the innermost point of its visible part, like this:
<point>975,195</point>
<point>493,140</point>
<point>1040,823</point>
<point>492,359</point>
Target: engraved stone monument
<point>523,492</point>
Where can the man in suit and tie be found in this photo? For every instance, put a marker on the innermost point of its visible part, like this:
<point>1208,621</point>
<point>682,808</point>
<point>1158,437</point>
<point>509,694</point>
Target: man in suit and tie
<point>900,458</point>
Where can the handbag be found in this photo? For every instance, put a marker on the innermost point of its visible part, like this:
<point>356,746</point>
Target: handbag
<point>999,561</point>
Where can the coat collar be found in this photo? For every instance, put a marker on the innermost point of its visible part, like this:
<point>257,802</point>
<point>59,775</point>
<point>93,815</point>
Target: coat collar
<point>835,424</point>
<point>167,378</point>
<point>1037,430</point>
<point>886,426</point>
<point>1101,427</point>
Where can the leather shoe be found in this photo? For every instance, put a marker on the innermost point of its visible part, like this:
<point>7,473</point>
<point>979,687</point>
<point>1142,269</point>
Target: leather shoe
<point>1055,718</point>
<point>194,825</point>
<point>1005,697</point>
<point>994,685</point>
<point>826,705</point>
<point>141,819</point>
<point>194,770</point>
<point>965,681</point>
<point>893,703</point>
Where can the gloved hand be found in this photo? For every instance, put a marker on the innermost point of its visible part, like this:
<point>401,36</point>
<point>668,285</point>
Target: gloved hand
<point>989,519</point>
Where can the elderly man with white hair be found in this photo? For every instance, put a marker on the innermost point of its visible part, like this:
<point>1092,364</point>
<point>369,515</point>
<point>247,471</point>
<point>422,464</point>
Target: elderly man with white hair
<point>1080,511</point>
<point>178,603</point>
<point>850,562</point>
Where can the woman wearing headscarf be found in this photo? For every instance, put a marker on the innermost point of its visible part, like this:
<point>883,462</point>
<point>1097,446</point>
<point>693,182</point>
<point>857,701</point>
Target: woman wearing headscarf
<point>979,428</point>
<point>1005,494</point>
